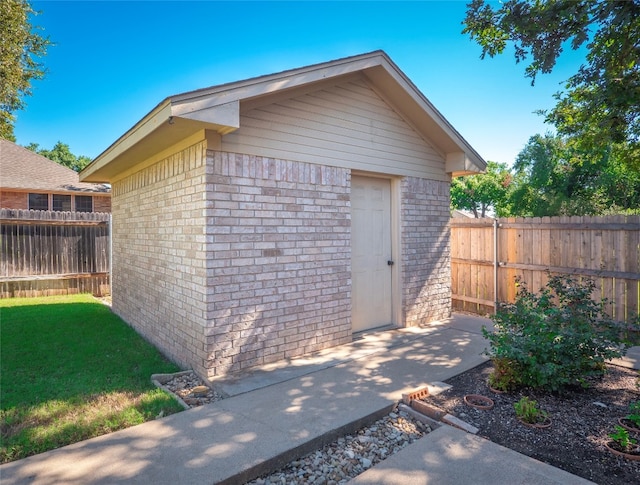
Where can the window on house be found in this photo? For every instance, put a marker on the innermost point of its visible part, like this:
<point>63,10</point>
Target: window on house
<point>61,202</point>
<point>39,202</point>
<point>84,203</point>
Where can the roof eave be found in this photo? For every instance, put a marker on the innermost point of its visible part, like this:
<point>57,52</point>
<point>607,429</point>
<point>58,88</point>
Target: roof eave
<point>462,158</point>
<point>160,129</point>
<point>218,109</point>
<point>459,164</point>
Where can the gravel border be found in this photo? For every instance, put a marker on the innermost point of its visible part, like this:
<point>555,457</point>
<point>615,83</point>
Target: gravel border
<point>187,388</point>
<point>350,455</point>
<point>336,463</point>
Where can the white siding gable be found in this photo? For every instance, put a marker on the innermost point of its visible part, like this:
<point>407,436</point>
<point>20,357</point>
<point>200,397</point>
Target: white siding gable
<point>346,125</point>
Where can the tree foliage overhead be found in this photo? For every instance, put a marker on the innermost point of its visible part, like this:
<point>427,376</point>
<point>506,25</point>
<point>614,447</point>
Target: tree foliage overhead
<point>61,153</point>
<point>478,193</point>
<point>601,103</point>
<point>554,175</point>
<point>20,47</point>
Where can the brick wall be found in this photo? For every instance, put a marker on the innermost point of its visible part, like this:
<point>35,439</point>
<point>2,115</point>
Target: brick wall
<point>425,251</point>
<point>280,245</point>
<point>14,200</point>
<point>159,254</point>
<point>20,200</point>
<point>101,203</point>
<point>228,261</point>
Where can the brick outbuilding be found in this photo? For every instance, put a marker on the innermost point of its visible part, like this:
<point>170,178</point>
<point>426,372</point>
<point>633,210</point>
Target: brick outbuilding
<point>272,217</point>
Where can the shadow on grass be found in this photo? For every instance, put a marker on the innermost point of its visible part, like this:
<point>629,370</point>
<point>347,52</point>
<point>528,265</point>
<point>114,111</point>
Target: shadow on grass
<point>239,438</point>
<point>72,370</point>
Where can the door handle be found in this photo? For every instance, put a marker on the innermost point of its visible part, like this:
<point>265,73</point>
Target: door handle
<point>390,262</point>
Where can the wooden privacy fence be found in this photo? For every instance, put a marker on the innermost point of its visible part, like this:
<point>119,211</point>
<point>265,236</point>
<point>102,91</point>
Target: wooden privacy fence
<point>53,253</point>
<point>488,254</point>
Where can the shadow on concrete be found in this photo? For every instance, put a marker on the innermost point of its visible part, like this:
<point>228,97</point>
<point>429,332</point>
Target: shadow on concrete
<point>451,457</point>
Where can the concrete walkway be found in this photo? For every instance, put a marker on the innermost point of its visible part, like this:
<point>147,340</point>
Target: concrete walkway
<point>280,412</point>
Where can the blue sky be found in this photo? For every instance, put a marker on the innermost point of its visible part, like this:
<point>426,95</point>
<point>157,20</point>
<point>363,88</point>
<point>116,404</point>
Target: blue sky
<point>113,61</point>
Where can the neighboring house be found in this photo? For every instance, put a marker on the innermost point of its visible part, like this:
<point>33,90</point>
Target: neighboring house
<point>264,219</point>
<point>31,181</point>
<point>462,214</point>
<point>467,214</point>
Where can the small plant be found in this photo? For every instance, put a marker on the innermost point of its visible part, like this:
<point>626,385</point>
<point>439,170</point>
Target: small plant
<point>634,414</point>
<point>529,412</point>
<point>622,439</point>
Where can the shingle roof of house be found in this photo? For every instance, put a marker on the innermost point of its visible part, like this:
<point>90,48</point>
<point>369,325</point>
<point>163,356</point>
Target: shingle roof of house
<point>23,169</point>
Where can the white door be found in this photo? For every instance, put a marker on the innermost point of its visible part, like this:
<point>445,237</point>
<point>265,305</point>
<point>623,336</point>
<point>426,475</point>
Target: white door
<point>370,253</point>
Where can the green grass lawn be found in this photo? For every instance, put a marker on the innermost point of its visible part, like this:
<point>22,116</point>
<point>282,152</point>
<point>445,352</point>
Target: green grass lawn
<point>72,370</point>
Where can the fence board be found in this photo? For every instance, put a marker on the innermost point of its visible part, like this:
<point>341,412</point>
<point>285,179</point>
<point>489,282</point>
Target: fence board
<point>68,250</point>
<point>605,249</point>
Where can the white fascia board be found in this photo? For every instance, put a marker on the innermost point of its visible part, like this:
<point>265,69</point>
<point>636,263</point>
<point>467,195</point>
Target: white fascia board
<point>244,90</point>
<point>158,130</point>
<point>139,132</point>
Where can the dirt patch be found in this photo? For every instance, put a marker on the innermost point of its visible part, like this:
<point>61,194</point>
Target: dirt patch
<point>581,422</point>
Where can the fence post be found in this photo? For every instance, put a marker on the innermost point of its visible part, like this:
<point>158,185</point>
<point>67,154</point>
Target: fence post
<point>110,235</point>
<point>495,265</point>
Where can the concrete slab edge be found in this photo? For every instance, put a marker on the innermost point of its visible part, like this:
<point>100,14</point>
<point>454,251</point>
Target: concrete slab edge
<point>273,464</point>
<point>419,416</point>
<point>437,387</point>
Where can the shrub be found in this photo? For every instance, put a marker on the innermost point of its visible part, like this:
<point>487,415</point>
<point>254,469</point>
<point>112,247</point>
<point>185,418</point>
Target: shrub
<point>505,376</point>
<point>556,338</point>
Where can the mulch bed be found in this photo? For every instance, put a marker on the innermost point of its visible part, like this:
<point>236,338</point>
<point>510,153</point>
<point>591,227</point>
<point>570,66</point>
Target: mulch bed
<point>581,422</point>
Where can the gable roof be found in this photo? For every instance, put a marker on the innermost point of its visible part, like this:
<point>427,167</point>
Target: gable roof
<point>23,169</point>
<point>218,108</point>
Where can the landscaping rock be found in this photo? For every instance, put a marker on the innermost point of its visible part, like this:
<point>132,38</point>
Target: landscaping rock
<point>188,388</point>
<point>349,456</point>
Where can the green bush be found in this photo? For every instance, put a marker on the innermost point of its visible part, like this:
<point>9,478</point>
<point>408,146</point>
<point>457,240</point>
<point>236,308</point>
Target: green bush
<point>505,376</point>
<point>556,338</point>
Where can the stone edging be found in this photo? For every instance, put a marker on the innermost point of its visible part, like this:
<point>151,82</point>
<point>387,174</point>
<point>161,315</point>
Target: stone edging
<point>160,379</point>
